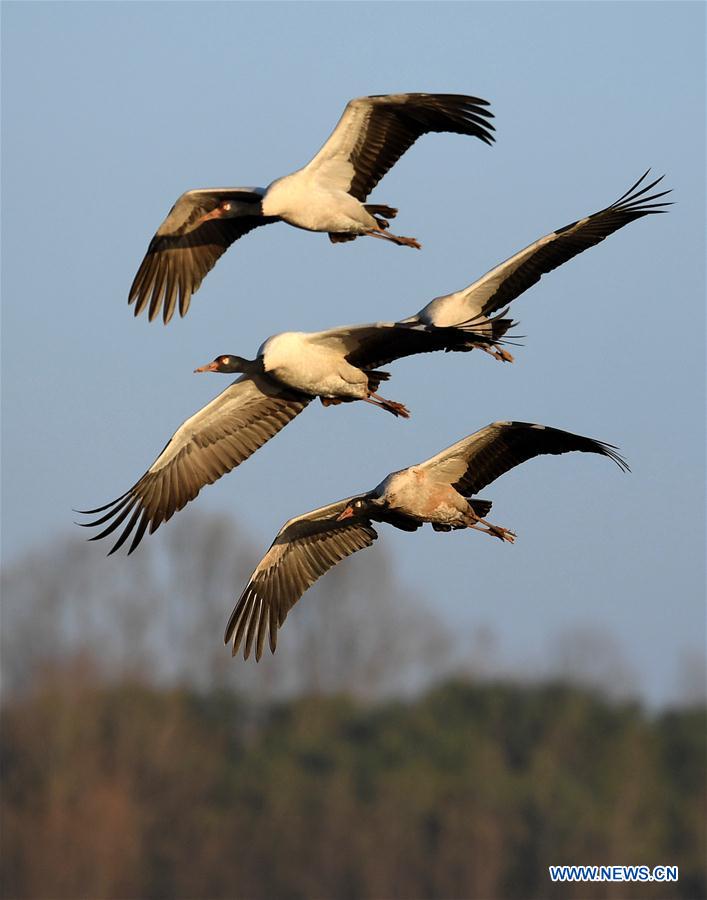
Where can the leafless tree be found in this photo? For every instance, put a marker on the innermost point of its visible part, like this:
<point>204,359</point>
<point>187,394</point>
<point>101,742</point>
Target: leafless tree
<point>161,613</point>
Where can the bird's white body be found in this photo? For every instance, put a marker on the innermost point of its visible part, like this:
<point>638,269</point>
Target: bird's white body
<point>301,361</point>
<point>305,200</point>
<point>451,309</point>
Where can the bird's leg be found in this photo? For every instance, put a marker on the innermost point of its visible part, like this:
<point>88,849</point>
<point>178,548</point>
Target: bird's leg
<point>396,239</point>
<point>397,409</point>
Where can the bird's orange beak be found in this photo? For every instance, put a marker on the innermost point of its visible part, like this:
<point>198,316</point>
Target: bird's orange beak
<point>209,367</point>
<point>346,514</point>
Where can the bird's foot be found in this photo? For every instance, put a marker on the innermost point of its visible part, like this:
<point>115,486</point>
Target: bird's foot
<point>498,353</point>
<point>397,409</point>
<point>498,531</point>
<point>502,534</point>
<point>406,241</point>
<point>330,401</point>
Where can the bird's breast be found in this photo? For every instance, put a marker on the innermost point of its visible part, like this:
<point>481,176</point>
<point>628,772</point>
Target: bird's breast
<point>301,201</point>
<point>416,494</point>
<point>298,362</point>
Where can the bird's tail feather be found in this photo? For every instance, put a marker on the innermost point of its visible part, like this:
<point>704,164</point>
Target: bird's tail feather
<point>481,507</point>
<point>491,333</point>
<point>387,212</point>
<point>375,376</point>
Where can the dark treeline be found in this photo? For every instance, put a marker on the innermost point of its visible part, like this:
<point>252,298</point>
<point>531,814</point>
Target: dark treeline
<point>467,791</point>
<point>375,756</point>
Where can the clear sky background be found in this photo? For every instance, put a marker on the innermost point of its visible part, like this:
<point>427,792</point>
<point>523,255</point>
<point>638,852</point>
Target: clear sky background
<point>111,110</point>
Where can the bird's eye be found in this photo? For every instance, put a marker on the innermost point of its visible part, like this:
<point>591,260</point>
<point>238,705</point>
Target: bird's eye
<point>226,205</point>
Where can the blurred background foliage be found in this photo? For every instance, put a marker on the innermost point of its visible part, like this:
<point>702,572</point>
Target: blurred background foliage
<point>377,754</point>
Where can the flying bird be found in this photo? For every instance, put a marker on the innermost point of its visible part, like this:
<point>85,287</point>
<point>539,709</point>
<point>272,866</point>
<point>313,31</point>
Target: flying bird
<point>439,491</point>
<point>496,289</point>
<point>327,195</point>
<point>290,369</point>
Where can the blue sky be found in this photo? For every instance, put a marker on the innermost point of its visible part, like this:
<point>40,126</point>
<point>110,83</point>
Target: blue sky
<point>111,110</point>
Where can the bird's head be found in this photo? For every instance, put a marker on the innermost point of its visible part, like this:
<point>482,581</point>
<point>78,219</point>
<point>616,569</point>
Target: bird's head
<point>364,505</point>
<point>225,210</point>
<point>247,203</point>
<point>228,364</point>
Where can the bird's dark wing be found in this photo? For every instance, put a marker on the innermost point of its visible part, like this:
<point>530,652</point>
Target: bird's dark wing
<point>183,251</point>
<point>215,440</point>
<point>304,549</point>
<point>477,460</point>
<point>374,132</point>
<point>511,278</point>
<point>369,346</point>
